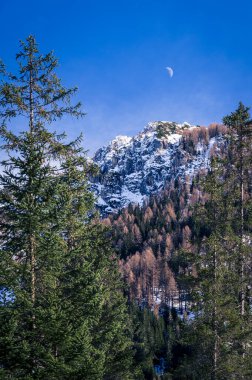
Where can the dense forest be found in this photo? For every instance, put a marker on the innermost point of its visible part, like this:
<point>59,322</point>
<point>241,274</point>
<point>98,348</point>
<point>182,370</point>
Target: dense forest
<point>161,291</point>
<point>148,238</point>
<point>187,254</point>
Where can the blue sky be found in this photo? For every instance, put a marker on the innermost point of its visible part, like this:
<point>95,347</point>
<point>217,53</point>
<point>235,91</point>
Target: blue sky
<point>116,53</point>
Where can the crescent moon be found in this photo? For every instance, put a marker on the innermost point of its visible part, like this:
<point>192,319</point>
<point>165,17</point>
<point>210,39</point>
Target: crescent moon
<point>170,71</point>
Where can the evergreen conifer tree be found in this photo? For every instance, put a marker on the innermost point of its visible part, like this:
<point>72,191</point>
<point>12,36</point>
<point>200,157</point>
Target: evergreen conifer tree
<point>62,314</point>
<point>220,337</point>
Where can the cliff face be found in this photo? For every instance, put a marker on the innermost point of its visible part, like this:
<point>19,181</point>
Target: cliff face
<point>133,168</point>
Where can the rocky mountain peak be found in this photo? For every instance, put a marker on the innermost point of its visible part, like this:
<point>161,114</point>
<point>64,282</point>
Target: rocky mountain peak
<point>132,168</point>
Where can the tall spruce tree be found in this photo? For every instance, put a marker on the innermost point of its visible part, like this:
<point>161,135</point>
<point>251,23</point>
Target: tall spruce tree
<point>238,182</point>
<point>220,336</point>
<point>239,179</point>
<point>62,314</point>
<point>203,337</point>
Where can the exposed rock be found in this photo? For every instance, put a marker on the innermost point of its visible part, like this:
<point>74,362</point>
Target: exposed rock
<point>132,168</point>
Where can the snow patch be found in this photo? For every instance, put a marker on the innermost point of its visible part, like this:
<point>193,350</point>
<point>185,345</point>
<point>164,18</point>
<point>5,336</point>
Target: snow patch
<point>133,168</point>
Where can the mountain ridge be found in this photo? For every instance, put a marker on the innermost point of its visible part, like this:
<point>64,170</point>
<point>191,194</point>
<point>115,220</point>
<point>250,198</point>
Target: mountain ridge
<point>133,168</point>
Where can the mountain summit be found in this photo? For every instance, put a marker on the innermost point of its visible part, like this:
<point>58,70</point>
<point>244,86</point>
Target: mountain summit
<point>132,168</point>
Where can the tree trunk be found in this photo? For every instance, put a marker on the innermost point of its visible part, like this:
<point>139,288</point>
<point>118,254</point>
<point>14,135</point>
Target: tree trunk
<point>215,352</point>
<point>32,241</point>
<point>242,220</point>
<point>33,276</point>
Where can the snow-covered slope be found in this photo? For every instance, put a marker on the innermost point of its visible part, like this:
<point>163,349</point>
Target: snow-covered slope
<point>132,168</point>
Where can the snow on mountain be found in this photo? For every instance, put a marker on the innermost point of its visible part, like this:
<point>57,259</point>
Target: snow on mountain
<point>132,168</point>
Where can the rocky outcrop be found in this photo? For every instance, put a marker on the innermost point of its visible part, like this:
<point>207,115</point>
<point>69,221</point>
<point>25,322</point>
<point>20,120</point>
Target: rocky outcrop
<point>132,168</point>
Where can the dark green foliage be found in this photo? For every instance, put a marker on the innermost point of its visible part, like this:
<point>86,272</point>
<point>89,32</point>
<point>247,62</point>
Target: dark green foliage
<point>155,339</point>
<point>67,317</point>
<point>165,129</point>
<point>219,338</point>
